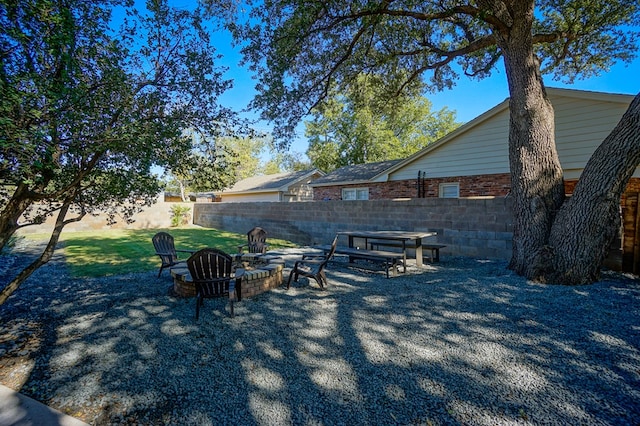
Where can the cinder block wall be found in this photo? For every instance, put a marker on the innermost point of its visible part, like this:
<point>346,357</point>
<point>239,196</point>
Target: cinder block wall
<point>469,227</point>
<point>153,217</point>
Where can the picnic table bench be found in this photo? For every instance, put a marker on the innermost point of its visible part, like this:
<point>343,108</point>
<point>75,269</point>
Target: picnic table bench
<point>433,248</point>
<point>390,259</point>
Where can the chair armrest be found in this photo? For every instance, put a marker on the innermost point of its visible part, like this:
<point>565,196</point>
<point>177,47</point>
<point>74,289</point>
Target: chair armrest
<point>311,261</point>
<point>187,251</point>
<point>313,256</point>
<point>240,247</point>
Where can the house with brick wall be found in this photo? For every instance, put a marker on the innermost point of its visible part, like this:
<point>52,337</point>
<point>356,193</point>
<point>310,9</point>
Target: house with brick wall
<point>352,182</point>
<point>473,160</point>
<point>281,187</point>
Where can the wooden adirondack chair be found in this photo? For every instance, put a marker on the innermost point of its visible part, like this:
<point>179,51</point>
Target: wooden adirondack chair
<point>312,266</point>
<point>212,275</point>
<point>256,241</point>
<point>165,248</point>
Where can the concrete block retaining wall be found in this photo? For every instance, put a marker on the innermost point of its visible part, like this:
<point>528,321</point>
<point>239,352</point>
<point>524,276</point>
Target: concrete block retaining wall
<point>468,227</point>
<point>156,216</point>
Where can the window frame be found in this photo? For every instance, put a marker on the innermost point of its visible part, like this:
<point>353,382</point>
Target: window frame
<point>355,192</point>
<point>446,185</point>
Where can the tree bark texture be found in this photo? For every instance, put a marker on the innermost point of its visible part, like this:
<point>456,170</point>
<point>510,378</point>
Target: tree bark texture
<point>11,213</point>
<point>588,222</point>
<point>536,174</point>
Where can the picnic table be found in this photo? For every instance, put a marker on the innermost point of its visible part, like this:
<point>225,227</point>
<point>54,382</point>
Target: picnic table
<point>403,239</point>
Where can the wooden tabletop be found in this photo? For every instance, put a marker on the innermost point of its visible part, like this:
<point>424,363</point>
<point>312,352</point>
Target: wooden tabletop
<point>390,235</point>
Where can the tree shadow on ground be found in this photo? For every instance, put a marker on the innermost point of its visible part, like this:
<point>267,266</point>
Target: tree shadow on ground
<point>464,342</point>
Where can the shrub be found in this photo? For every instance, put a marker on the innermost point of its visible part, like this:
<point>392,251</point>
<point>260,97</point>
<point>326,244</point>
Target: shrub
<point>180,215</point>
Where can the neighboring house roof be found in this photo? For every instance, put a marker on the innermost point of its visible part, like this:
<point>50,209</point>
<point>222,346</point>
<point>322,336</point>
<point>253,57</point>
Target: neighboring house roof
<point>279,182</point>
<point>355,174</point>
<point>190,194</point>
<point>486,116</point>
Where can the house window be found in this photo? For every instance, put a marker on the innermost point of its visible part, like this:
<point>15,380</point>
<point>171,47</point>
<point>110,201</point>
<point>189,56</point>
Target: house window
<point>450,190</point>
<point>355,193</point>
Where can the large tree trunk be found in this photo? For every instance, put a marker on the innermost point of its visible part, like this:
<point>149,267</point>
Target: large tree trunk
<point>11,213</point>
<point>536,174</point>
<point>588,222</point>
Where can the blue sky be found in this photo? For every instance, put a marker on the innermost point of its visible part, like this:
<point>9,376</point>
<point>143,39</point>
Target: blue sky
<point>469,98</point>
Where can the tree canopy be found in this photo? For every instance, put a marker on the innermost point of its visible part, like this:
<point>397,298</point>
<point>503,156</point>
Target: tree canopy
<point>218,164</point>
<point>303,50</point>
<point>88,111</point>
<point>212,165</point>
<point>361,126</point>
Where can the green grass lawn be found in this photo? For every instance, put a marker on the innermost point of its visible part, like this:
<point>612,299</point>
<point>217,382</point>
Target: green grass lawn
<point>119,251</point>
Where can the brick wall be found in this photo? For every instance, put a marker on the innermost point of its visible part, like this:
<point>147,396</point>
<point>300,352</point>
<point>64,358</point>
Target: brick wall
<point>495,185</point>
<point>630,220</point>
<point>469,227</point>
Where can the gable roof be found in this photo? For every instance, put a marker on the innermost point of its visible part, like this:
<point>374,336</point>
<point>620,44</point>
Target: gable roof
<point>502,106</point>
<point>271,183</point>
<point>354,174</point>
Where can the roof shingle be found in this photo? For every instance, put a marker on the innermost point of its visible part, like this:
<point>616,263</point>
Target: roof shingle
<point>279,181</point>
<point>356,173</point>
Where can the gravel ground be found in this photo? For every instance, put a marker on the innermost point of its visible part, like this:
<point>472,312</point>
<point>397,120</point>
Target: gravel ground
<point>464,342</point>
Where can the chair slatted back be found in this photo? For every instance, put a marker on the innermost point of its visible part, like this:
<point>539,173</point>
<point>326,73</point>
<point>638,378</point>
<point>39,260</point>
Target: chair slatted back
<point>210,271</point>
<point>165,247</point>
<point>334,244</point>
<point>257,240</point>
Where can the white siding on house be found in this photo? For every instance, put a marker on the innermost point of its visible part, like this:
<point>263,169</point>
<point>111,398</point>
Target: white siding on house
<point>582,120</point>
<point>581,126</point>
<point>481,150</point>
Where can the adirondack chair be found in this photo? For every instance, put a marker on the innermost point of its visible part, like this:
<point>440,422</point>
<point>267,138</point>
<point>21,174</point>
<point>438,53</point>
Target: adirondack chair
<point>165,248</point>
<point>256,241</point>
<point>312,266</point>
<point>211,273</point>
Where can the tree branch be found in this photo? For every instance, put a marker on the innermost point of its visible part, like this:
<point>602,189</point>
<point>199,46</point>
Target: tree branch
<point>44,257</point>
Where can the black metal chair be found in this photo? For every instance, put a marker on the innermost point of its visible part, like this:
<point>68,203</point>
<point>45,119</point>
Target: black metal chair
<point>212,275</point>
<point>256,241</point>
<point>312,266</point>
<point>166,249</point>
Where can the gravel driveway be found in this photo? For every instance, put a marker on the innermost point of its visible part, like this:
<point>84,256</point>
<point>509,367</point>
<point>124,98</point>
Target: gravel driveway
<point>464,342</point>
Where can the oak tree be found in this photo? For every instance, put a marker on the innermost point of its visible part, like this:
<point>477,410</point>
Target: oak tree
<point>301,50</point>
<point>359,125</point>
